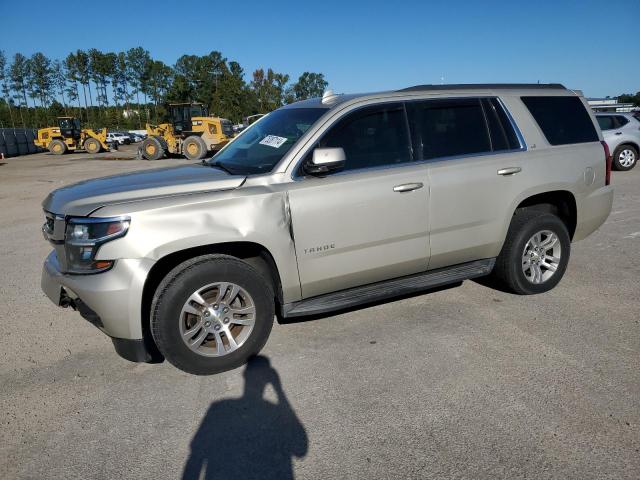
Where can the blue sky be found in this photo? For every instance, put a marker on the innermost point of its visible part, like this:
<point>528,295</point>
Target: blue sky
<point>359,45</point>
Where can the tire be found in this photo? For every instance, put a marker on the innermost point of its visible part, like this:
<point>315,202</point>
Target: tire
<point>510,264</point>
<point>625,157</point>
<point>172,317</point>
<point>57,147</point>
<point>194,148</point>
<point>152,149</point>
<point>92,146</point>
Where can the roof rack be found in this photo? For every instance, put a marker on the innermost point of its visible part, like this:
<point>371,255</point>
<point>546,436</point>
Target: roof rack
<point>469,86</point>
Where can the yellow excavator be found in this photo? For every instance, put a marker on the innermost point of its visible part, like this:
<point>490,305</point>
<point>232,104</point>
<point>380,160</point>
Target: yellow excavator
<point>191,132</point>
<point>70,136</point>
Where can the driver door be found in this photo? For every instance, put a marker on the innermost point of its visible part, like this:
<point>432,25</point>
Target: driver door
<point>368,222</point>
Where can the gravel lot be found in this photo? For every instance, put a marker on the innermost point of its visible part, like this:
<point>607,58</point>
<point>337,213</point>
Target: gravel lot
<point>466,382</point>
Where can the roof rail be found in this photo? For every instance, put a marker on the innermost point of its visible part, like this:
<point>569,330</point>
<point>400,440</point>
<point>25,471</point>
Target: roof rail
<point>470,86</point>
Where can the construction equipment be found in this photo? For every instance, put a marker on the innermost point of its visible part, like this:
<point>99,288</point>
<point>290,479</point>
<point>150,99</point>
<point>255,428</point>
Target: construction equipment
<point>70,136</point>
<point>191,133</point>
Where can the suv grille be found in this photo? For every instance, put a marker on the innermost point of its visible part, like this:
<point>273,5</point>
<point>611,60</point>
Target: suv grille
<point>49,223</point>
<point>53,228</point>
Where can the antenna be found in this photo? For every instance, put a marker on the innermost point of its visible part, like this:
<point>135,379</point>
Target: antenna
<point>328,96</point>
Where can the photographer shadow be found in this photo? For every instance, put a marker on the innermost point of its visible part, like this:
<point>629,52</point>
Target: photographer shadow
<point>248,437</point>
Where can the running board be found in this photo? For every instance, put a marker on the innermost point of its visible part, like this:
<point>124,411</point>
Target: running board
<point>355,296</point>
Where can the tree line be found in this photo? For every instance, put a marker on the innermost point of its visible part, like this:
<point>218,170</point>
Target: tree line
<point>630,98</point>
<point>128,89</point>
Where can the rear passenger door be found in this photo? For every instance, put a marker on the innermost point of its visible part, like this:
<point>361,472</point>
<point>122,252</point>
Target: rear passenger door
<point>473,157</point>
<point>608,126</point>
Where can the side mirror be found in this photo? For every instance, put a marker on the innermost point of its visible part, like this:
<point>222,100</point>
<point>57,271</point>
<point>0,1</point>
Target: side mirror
<point>325,160</point>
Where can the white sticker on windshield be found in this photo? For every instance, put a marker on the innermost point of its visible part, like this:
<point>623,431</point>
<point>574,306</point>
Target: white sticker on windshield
<point>273,141</point>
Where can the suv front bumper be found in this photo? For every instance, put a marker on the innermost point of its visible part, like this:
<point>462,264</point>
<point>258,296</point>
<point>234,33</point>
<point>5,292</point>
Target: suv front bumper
<point>110,300</point>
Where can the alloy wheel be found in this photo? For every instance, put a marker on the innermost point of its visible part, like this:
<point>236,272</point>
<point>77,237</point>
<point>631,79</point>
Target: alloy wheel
<point>217,319</point>
<point>541,256</point>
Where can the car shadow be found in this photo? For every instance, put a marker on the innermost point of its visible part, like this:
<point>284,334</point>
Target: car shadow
<point>248,437</point>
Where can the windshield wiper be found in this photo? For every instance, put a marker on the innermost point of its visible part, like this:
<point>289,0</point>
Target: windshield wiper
<point>219,165</point>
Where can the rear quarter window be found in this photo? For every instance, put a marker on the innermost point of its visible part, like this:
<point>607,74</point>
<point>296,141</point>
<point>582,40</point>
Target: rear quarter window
<point>563,120</point>
<point>621,121</point>
<point>606,123</point>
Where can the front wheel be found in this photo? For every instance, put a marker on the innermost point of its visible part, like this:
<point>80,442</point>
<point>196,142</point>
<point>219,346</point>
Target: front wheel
<point>194,148</point>
<point>91,145</point>
<point>211,314</point>
<point>535,253</point>
<point>57,147</point>
<point>152,149</point>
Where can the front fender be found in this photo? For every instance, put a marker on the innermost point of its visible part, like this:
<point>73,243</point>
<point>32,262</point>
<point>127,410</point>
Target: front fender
<point>256,215</point>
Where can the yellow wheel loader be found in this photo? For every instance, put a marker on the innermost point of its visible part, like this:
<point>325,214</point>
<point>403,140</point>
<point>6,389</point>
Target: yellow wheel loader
<point>70,136</point>
<point>191,133</point>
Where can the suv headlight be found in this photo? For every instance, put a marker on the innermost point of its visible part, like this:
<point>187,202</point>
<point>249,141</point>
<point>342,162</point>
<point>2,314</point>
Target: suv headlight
<point>83,237</point>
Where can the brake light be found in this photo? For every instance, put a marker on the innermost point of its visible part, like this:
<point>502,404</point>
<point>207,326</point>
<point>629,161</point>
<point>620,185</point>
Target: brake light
<point>607,160</point>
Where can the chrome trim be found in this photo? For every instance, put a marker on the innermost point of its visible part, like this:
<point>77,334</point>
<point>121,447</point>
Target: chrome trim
<point>119,218</point>
<point>523,144</point>
<point>408,187</point>
<point>509,171</point>
<point>54,228</point>
<point>414,163</point>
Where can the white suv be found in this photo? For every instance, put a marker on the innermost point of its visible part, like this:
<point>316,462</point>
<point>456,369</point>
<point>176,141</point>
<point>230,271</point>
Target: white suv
<point>119,138</point>
<point>621,131</point>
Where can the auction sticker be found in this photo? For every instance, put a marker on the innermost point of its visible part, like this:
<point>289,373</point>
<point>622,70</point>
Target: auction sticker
<point>273,141</point>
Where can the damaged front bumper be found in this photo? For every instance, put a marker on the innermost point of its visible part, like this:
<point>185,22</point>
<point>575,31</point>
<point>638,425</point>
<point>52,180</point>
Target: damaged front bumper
<point>110,300</point>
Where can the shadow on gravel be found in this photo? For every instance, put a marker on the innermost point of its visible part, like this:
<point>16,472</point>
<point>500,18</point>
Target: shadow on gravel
<point>248,437</point>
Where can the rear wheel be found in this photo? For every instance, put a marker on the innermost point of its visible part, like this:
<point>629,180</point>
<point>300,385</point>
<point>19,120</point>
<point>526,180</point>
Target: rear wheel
<point>152,149</point>
<point>625,157</point>
<point>194,148</point>
<point>211,314</point>
<point>91,145</point>
<point>57,147</point>
<point>535,253</point>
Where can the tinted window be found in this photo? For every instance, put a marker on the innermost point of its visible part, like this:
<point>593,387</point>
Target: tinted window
<point>503,136</point>
<point>621,121</point>
<point>444,128</point>
<point>606,123</point>
<point>563,120</point>
<point>372,137</point>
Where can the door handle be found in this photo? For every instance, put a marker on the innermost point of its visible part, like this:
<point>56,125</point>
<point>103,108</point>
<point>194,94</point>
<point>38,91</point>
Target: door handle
<point>407,187</point>
<point>618,133</point>
<point>509,171</point>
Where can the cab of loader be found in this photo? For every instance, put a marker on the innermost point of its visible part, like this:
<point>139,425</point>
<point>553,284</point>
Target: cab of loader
<point>69,127</point>
<point>182,114</point>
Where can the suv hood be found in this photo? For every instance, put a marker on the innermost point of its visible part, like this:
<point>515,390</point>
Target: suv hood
<point>83,198</point>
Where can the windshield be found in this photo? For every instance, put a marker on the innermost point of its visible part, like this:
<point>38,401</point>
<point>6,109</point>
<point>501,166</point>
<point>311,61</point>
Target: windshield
<point>264,144</point>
